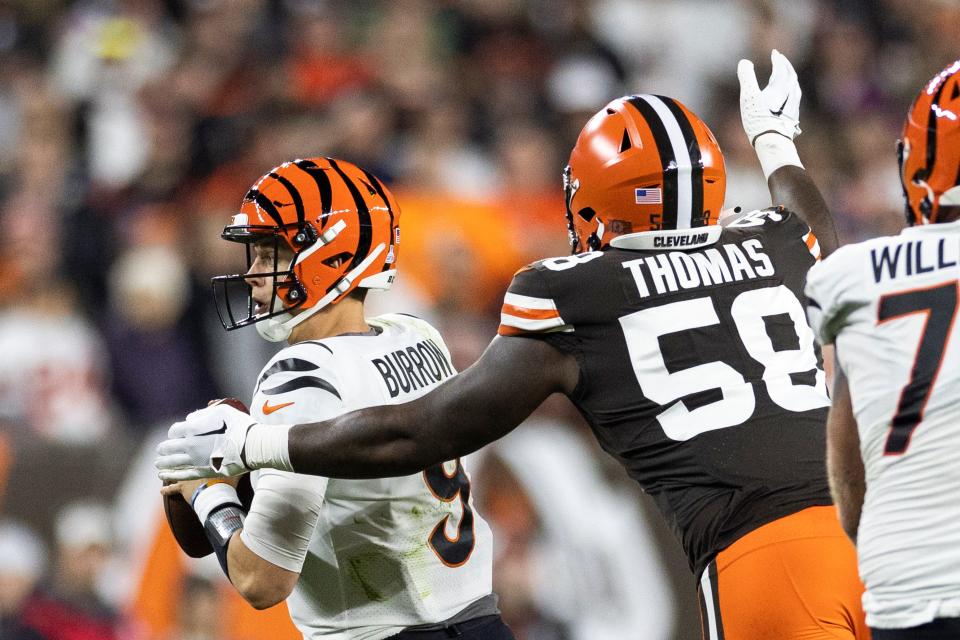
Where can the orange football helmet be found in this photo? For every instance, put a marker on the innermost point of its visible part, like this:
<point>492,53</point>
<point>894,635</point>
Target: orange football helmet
<point>342,225</point>
<point>642,163</point>
<point>929,150</point>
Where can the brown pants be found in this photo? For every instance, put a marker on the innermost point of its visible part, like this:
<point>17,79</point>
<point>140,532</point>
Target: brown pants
<point>792,579</point>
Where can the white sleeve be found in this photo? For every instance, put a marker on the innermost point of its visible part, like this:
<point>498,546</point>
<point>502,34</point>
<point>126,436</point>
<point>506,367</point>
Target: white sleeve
<point>285,511</point>
<point>830,290</point>
<point>815,301</point>
<point>287,506</point>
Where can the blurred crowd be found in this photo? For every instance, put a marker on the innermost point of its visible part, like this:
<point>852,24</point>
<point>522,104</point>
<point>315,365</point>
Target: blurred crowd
<point>130,129</point>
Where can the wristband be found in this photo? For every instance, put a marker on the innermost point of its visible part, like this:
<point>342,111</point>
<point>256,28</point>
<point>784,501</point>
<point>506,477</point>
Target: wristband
<point>219,509</point>
<point>209,496</point>
<point>266,445</point>
<point>775,150</point>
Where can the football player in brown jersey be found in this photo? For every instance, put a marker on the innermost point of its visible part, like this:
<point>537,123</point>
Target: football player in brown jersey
<point>683,343</point>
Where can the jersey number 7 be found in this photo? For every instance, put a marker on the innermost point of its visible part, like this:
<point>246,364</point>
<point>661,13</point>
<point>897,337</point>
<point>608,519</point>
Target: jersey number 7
<point>939,306</point>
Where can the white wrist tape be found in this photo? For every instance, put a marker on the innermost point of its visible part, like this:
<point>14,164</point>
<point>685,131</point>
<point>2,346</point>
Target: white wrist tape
<point>775,151</point>
<point>214,496</point>
<point>266,446</point>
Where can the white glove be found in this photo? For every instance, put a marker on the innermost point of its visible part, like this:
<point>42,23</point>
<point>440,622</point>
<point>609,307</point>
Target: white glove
<point>208,443</point>
<point>771,117</point>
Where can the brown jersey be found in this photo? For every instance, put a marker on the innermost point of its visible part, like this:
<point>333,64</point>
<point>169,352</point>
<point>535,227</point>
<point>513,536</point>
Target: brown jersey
<point>698,370</point>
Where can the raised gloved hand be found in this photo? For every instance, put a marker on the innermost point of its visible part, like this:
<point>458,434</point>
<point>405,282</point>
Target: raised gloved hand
<point>208,443</point>
<point>771,116</point>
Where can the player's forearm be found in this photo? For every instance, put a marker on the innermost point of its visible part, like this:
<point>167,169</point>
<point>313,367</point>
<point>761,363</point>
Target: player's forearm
<point>261,583</point>
<point>472,409</point>
<point>792,187</point>
<point>370,443</point>
<point>848,498</point>
<point>456,419</point>
<point>845,469</point>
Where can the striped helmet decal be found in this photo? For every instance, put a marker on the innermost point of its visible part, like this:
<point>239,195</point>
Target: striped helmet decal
<point>322,180</point>
<point>268,207</point>
<point>932,129</point>
<point>363,217</point>
<point>378,187</point>
<point>294,193</point>
<point>680,158</point>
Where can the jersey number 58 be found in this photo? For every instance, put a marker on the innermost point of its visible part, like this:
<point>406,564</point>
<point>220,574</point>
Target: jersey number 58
<point>736,405</point>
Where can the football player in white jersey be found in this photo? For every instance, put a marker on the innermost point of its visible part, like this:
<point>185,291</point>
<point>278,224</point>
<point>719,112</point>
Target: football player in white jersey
<point>701,379</point>
<point>890,305</point>
<point>404,557</point>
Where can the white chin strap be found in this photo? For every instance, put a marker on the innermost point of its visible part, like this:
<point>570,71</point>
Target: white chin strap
<point>278,328</point>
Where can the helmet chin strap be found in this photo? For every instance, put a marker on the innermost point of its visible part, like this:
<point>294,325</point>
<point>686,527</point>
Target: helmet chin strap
<point>278,328</point>
<point>925,209</point>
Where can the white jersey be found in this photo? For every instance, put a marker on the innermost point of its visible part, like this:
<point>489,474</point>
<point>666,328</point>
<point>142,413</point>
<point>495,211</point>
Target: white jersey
<point>890,305</point>
<point>374,556</point>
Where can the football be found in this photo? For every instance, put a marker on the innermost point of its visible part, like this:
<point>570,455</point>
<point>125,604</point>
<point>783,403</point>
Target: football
<point>183,522</point>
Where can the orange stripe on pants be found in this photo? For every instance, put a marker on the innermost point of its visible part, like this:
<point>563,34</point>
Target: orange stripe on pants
<point>792,579</point>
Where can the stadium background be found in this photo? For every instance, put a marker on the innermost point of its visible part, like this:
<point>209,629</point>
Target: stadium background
<point>130,129</point>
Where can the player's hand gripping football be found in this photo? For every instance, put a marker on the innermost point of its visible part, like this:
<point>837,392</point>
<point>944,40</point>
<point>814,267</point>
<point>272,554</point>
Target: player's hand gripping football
<point>208,443</point>
<point>774,109</point>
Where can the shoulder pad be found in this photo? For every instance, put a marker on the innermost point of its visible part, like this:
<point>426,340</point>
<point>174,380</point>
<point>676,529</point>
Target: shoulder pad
<point>779,221</point>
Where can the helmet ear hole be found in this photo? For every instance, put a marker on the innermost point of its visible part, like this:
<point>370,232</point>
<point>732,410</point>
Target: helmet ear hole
<point>586,213</point>
<point>337,260</point>
<point>625,142</point>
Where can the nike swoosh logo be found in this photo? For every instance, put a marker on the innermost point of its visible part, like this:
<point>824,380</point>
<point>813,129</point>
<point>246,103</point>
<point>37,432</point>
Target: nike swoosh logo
<point>268,409</point>
<point>222,429</point>
<point>779,112</point>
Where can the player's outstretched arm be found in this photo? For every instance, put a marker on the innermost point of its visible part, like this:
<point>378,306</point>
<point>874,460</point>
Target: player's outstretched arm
<point>512,377</point>
<point>771,120</point>
<point>844,464</point>
<point>486,401</point>
<point>794,188</point>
